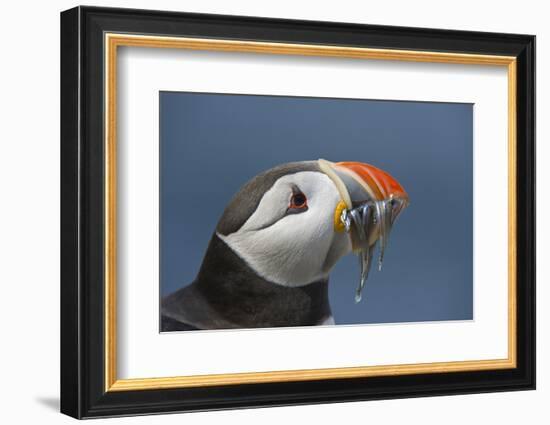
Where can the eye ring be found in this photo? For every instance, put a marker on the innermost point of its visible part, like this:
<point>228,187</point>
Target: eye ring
<point>298,201</point>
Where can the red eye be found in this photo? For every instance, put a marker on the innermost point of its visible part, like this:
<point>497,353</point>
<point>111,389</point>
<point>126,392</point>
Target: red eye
<point>298,201</point>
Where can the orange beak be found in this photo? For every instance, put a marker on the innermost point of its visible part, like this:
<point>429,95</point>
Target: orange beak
<point>379,183</point>
<point>358,182</point>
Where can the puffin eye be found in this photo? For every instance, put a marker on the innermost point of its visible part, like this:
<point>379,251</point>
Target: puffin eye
<point>298,201</point>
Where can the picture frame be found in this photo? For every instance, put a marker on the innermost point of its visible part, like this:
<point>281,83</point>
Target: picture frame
<point>91,38</point>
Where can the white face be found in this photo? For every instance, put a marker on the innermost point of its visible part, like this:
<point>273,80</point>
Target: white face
<point>293,246</point>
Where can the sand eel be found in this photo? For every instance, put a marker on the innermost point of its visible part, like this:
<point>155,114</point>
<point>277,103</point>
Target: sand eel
<point>269,259</point>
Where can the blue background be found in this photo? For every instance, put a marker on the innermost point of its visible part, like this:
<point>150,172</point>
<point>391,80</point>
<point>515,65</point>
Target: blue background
<point>211,144</point>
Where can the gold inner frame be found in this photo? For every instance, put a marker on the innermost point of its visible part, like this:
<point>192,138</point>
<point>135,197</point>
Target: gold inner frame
<point>113,41</point>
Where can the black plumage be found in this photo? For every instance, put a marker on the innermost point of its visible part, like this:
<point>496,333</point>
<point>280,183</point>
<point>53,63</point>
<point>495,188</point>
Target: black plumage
<point>227,294</point>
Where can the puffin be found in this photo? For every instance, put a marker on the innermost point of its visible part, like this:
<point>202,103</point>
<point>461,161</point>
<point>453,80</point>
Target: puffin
<point>269,258</point>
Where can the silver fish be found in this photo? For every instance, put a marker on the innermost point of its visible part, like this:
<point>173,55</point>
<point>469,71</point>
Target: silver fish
<point>365,219</point>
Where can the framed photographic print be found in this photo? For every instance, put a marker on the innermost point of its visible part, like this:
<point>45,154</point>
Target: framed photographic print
<point>261,212</point>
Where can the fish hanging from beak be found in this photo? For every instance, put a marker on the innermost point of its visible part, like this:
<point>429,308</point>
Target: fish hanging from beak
<point>371,202</point>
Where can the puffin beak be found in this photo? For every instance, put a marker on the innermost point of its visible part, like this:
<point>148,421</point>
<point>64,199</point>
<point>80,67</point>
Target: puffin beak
<point>368,189</point>
<point>358,182</point>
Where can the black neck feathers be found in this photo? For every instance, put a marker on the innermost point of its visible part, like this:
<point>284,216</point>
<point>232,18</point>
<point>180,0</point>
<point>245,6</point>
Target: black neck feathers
<point>227,293</point>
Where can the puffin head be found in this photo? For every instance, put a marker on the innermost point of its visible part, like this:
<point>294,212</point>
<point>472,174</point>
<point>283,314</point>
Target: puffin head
<point>292,223</point>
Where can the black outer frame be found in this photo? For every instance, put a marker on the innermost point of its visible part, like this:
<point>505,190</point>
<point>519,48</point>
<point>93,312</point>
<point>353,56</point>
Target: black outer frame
<point>82,204</point>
